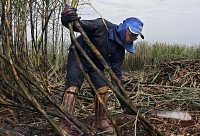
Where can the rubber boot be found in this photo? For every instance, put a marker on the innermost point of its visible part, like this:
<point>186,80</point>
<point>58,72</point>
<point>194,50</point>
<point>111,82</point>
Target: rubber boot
<point>102,122</point>
<point>69,102</point>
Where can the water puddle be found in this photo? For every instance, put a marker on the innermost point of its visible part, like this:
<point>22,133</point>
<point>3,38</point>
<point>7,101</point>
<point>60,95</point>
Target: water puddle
<point>182,115</point>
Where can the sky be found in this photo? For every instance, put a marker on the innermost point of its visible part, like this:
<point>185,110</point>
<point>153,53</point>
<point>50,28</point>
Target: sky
<point>165,21</point>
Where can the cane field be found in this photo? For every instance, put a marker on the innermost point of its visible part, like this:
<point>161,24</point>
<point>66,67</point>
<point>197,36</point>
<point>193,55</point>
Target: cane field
<point>159,77</point>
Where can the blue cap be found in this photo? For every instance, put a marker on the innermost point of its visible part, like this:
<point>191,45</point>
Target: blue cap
<point>135,26</point>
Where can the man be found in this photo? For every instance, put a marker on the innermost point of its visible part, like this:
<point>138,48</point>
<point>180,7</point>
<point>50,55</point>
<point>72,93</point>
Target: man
<point>111,40</point>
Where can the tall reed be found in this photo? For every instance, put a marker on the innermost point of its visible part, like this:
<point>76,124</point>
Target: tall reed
<point>155,53</point>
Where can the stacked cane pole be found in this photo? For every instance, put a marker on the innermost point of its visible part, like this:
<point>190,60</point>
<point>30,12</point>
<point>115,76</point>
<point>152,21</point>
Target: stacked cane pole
<point>123,96</point>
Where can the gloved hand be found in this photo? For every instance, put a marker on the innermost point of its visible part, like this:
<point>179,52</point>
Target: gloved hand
<point>68,15</point>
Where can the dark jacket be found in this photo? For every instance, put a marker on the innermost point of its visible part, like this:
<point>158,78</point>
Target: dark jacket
<point>97,32</point>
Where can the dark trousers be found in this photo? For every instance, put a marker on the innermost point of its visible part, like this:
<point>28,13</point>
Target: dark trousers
<point>75,77</point>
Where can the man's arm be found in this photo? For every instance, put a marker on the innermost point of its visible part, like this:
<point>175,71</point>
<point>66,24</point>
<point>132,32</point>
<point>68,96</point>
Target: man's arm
<point>89,26</point>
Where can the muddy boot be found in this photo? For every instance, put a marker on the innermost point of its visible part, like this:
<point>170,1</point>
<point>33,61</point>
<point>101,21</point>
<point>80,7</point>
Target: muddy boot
<point>102,122</point>
<point>69,102</point>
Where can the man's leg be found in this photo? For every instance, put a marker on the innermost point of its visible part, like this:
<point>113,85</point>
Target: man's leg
<point>74,80</point>
<point>68,102</point>
<point>102,122</point>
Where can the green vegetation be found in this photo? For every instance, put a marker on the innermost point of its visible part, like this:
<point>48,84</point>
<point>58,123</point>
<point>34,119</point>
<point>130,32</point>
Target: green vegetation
<point>33,56</point>
<point>146,54</point>
<point>156,53</point>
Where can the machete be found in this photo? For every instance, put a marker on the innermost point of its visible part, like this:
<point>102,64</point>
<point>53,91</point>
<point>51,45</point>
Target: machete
<point>181,115</point>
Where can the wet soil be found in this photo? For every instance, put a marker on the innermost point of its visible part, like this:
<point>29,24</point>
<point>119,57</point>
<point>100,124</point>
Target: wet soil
<point>171,86</point>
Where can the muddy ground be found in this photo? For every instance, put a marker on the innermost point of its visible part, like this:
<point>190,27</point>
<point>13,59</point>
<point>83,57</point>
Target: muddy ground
<point>172,86</point>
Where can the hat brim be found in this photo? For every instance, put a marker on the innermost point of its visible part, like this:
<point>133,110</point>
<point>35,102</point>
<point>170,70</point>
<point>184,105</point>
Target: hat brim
<point>134,32</point>
<point>141,35</point>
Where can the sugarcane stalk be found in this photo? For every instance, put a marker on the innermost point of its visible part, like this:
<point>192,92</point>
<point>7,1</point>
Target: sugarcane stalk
<point>92,85</point>
<point>109,83</point>
<point>75,4</point>
<point>14,105</point>
<point>10,103</point>
<point>50,97</point>
<point>173,87</point>
<point>43,30</point>
<point>128,103</point>
<point>32,99</point>
<point>86,76</point>
<point>123,97</point>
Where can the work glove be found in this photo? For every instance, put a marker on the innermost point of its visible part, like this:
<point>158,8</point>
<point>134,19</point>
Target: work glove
<point>68,15</point>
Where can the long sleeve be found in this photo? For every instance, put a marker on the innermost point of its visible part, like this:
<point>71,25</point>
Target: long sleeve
<point>117,62</point>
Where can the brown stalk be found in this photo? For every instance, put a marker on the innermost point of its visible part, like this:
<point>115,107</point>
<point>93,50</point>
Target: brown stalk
<point>49,97</point>
<point>123,97</point>
<point>14,105</point>
<point>29,96</point>
<point>89,81</point>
